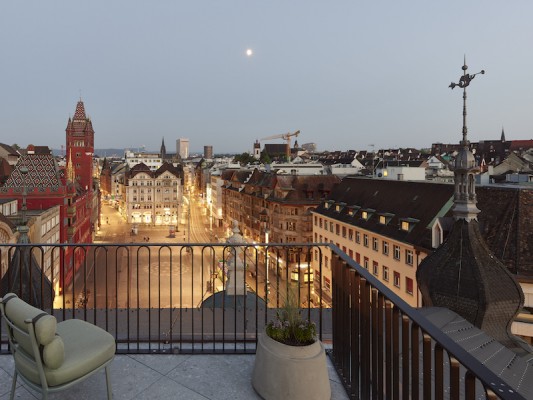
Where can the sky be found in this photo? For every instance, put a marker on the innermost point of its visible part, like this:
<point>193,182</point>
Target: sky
<point>347,74</point>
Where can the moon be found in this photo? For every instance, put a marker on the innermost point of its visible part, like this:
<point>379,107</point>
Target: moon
<point>249,52</point>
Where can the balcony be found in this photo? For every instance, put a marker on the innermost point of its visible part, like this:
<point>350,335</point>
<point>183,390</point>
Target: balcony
<point>180,333</point>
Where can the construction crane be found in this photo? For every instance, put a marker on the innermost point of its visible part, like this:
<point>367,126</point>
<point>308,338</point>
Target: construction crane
<point>285,136</point>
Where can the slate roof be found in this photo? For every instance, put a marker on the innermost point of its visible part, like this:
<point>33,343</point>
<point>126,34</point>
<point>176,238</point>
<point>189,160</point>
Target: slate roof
<point>417,200</point>
<point>506,223</point>
<point>10,150</point>
<point>515,370</point>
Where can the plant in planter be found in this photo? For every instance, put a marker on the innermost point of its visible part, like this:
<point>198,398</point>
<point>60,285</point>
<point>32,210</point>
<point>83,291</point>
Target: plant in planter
<point>290,362</point>
<point>290,328</point>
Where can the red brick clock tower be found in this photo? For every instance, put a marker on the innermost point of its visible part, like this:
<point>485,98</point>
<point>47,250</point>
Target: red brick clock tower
<point>80,147</point>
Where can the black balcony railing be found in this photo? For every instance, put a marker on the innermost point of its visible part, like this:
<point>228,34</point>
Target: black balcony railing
<point>166,298</point>
<point>385,349</point>
<point>161,298</point>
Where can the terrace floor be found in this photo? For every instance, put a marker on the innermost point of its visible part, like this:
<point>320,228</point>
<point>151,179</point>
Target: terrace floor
<point>191,377</point>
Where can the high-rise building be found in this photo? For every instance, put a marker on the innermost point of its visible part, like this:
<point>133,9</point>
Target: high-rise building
<point>208,152</point>
<point>182,148</point>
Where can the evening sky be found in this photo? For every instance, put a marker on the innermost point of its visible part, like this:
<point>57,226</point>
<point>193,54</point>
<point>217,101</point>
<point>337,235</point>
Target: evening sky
<point>347,74</point>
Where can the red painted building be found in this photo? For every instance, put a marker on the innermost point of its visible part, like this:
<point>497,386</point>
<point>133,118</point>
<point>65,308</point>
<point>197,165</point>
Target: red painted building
<point>47,185</point>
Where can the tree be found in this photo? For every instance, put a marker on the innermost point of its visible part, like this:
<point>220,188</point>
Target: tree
<point>244,158</point>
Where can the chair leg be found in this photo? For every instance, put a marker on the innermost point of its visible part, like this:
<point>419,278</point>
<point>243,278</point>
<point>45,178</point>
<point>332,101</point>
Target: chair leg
<point>108,383</point>
<point>13,386</point>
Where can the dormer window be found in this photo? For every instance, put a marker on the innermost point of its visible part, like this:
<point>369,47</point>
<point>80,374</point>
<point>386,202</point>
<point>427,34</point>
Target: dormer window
<point>352,210</point>
<point>339,207</point>
<point>407,224</point>
<point>384,218</point>
<point>367,213</point>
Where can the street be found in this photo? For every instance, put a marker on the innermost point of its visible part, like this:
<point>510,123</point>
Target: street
<point>152,269</point>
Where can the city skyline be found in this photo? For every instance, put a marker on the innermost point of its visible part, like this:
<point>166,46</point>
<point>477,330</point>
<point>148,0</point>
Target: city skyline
<point>346,75</point>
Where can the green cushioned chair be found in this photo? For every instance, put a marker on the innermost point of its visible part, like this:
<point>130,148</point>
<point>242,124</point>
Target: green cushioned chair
<point>51,356</point>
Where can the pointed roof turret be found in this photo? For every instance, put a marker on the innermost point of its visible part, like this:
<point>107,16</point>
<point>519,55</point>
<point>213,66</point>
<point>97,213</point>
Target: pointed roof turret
<point>79,115</point>
<point>463,275</point>
<point>503,136</point>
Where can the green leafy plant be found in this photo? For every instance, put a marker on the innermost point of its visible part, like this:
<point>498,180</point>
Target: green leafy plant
<point>290,328</point>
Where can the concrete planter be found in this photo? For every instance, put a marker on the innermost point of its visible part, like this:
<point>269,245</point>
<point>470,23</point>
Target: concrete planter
<point>290,372</point>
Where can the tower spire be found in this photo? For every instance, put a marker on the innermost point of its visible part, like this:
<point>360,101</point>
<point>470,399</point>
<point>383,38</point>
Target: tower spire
<point>462,275</point>
<point>465,164</point>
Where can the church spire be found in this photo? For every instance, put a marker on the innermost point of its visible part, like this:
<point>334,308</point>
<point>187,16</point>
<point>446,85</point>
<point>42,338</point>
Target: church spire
<point>503,136</point>
<point>163,149</point>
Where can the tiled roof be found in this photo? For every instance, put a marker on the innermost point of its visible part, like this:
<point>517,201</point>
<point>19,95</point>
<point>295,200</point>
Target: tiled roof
<point>42,173</point>
<point>311,188</point>
<point>177,171</point>
<point>79,114</point>
<point>521,144</point>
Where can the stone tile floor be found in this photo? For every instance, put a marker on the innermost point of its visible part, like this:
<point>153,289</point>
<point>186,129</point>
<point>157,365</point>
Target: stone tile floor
<point>191,377</point>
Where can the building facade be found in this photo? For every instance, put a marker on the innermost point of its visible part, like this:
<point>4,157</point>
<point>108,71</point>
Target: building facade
<point>182,148</point>
<point>154,197</point>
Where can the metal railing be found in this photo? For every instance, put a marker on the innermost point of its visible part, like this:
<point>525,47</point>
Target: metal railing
<point>385,349</point>
<point>166,298</point>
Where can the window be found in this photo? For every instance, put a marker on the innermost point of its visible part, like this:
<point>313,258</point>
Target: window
<point>375,244</point>
<point>382,220</point>
<point>331,226</point>
<point>408,285</point>
<point>326,262</point>
<point>357,237</point>
<point>351,253</point>
<point>404,226</point>
<point>327,284</point>
<point>365,262</point>
<point>350,234</point>
<point>396,279</point>
<point>385,273</point>
<point>409,257</point>
<point>365,240</point>
<point>320,222</point>
<point>375,268</point>
<point>396,252</point>
<point>343,231</point>
<point>364,215</point>
<point>337,229</point>
<point>385,248</point>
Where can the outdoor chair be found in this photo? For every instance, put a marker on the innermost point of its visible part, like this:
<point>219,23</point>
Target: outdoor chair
<point>51,356</point>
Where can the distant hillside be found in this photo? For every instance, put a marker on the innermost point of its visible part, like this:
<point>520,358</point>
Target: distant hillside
<point>99,152</point>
